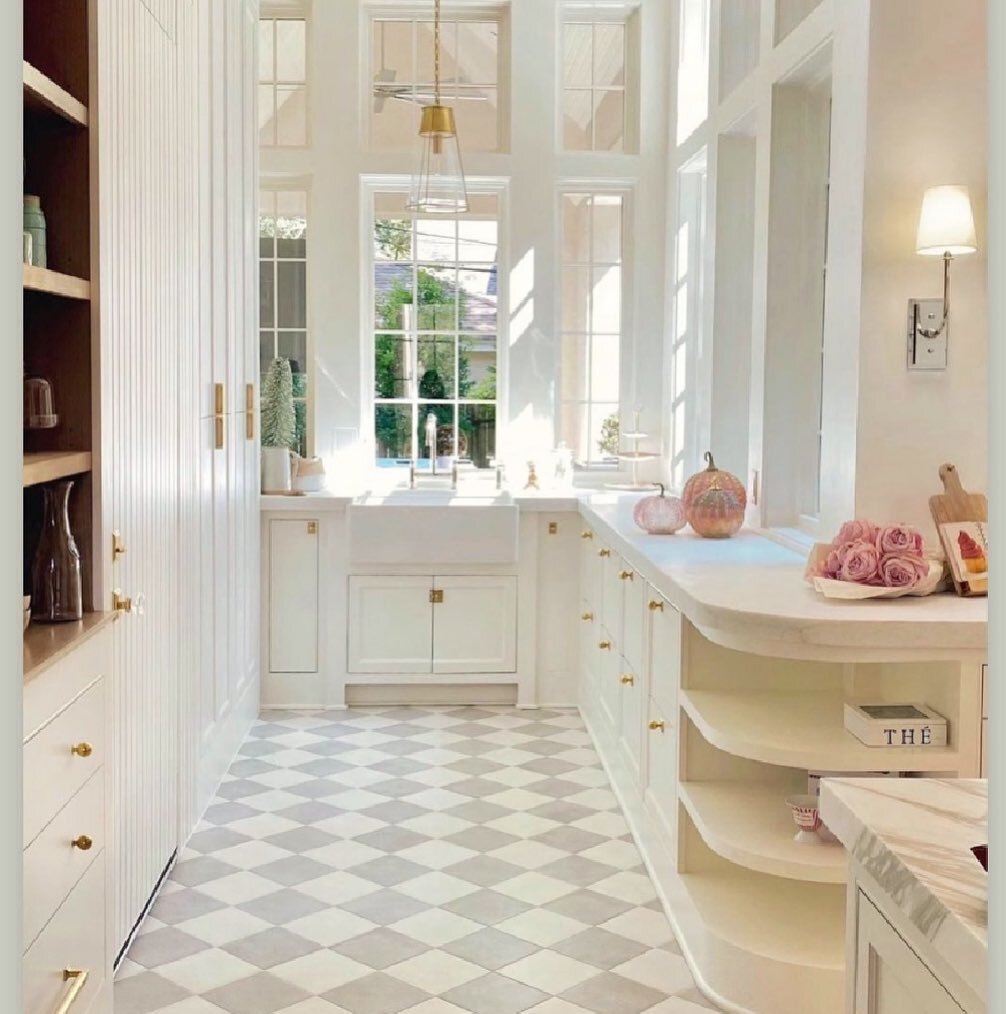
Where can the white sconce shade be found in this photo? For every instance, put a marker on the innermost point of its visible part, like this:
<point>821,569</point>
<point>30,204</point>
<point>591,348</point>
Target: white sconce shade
<point>946,223</point>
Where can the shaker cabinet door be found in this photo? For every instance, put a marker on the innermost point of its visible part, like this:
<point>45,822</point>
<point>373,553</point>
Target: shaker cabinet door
<point>293,596</point>
<point>475,625</point>
<point>390,625</point>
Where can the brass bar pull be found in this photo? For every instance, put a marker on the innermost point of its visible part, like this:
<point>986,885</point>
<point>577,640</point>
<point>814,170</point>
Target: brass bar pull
<point>628,680</point>
<point>78,976</point>
<point>219,408</point>
<point>604,552</point>
<point>82,750</point>
<point>657,725</point>
<point>657,605</point>
<point>250,411</point>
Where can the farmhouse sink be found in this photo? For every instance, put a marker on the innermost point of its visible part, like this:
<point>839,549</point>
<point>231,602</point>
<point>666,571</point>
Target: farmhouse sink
<point>433,526</point>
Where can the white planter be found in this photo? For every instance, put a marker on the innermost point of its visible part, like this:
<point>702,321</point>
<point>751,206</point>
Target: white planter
<point>275,470</point>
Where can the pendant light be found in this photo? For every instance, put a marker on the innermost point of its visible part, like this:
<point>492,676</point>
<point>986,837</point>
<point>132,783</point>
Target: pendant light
<point>438,185</point>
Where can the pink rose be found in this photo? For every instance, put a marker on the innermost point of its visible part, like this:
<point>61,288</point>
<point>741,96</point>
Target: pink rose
<point>859,561</point>
<point>832,564</point>
<point>854,531</point>
<point>899,539</point>
<point>902,570</point>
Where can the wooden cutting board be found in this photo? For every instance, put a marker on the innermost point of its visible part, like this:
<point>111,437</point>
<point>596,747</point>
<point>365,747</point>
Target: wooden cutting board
<point>951,508</point>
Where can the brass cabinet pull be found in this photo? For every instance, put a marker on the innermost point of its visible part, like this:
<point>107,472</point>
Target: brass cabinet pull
<point>118,545</point>
<point>82,750</point>
<point>219,408</point>
<point>657,725</point>
<point>82,842</point>
<point>437,596</point>
<point>553,528</point>
<point>604,552</point>
<point>250,411</point>
<point>586,535</point>
<point>657,605</point>
<point>628,680</point>
<point>626,575</point>
<point>587,617</point>
<point>604,645</point>
<point>312,528</point>
<point>78,976</point>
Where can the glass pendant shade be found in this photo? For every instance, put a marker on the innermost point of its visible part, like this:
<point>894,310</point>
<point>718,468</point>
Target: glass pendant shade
<point>438,184</point>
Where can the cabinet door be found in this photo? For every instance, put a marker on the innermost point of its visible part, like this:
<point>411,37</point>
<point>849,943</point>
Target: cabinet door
<point>610,669</point>
<point>590,571</point>
<point>662,772</point>
<point>293,596</point>
<point>475,625</point>
<point>633,696</point>
<point>613,595</point>
<point>634,621</point>
<point>890,977</point>
<point>390,625</point>
<point>665,650</point>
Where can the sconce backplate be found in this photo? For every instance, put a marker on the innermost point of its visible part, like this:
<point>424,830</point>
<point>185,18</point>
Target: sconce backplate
<point>927,353</point>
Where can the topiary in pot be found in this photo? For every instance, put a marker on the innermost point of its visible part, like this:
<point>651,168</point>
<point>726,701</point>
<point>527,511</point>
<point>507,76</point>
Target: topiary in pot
<point>279,426</point>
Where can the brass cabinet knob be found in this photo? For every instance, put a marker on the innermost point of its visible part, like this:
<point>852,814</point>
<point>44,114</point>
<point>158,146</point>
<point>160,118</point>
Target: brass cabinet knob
<point>657,605</point>
<point>82,750</point>
<point>628,680</point>
<point>587,617</point>
<point>586,535</point>
<point>604,645</point>
<point>626,575</point>
<point>604,552</point>
<point>657,725</point>
<point>82,842</point>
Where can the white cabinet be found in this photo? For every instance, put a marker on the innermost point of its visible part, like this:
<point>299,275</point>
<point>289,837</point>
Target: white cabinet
<point>661,789</point>
<point>390,625</point>
<point>475,624</point>
<point>432,625</point>
<point>890,977</point>
<point>293,596</point>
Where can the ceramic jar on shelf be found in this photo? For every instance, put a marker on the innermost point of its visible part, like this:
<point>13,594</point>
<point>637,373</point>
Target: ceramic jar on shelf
<point>34,226</point>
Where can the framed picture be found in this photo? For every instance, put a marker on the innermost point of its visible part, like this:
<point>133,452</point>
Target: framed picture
<point>967,547</point>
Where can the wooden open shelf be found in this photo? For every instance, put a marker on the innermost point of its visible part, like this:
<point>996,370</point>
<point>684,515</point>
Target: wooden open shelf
<point>47,643</point>
<point>800,730</point>
<point>47,466</point>
<point>43,95</point>
<point>750,824</point>
<point>55,283</point>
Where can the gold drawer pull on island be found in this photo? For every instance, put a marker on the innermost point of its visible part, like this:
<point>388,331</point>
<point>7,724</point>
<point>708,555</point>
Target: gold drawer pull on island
<point>656,725</point>
<point>586,535</point>
<point>604,645</point>
<point>82,750</point>
<point>78,976</point>
<point>587,617</point>
<point>82,842</point>
<point>657,605</point>
<point>626,575</point>
<point>604,552</point>
<point>628,680</point>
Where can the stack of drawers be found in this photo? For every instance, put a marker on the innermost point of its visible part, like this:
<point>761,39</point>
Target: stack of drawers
<point>67,967</point>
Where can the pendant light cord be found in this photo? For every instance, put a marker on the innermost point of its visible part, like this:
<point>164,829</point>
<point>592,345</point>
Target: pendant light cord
<point>436,51</point>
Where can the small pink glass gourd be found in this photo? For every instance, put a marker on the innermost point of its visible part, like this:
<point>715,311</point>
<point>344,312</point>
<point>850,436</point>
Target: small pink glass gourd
<point>659,514</point>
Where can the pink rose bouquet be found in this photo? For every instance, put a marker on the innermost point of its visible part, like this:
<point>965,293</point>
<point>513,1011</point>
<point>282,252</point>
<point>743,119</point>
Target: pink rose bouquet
<point>892,556</point>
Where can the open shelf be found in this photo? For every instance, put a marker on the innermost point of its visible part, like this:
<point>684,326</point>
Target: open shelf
<point>800,730</point>
<point>782,921</point>
<point>47,643</point>
<point>42,94</point>
<point>751,824</point>
<point>56,284</point>
<point>46,466</point>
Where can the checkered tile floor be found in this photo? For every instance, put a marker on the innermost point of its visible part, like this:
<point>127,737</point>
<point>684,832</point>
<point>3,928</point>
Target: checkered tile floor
<point>421,860</point>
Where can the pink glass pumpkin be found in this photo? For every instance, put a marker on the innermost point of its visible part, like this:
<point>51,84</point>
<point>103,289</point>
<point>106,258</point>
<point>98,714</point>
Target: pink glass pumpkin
<point>703,480</point>
<point>659,514</point>
<point>716,513</point>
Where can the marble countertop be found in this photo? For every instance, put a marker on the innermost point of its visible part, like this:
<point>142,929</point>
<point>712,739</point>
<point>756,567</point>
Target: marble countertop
<point>913,836</point>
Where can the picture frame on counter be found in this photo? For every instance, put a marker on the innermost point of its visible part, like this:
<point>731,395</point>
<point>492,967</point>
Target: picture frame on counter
<point>895,724</point>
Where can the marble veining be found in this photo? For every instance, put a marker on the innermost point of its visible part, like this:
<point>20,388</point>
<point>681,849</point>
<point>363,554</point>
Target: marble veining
<point>914,836</point>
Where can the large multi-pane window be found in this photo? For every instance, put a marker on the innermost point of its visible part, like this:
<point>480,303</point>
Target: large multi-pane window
<point>596,83</point>
<point>282,98</point>
<point>591,323</point>
<point>402,76</point>
<point>435,332</point>
<point>283,293</point>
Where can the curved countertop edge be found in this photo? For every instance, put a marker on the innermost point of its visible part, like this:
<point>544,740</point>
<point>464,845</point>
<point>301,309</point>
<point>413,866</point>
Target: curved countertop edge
<point>913,836</point>
<point>748,593</point>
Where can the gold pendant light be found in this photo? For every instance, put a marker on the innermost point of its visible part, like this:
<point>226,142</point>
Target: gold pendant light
<point>438,184</point>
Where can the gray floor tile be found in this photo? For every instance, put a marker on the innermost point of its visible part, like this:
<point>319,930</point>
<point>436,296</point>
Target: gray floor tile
<point>490,948</point>
<point>599,948</point>
<point>380,948</point>
<point>487,907</point>
<point>495,994</point>
<point>270,947</point>
<point>145,993</point>
<point>376,994</point>
<point>609,993</point>
<point>163,946</point>
<point>258,994</point>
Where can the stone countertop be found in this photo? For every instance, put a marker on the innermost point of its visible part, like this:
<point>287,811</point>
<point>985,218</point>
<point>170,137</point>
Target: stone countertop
<point>914,837</point>
<point>339,500</point>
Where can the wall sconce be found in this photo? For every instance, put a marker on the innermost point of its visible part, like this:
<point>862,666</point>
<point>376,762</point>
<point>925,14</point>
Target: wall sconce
<point>947,228</point>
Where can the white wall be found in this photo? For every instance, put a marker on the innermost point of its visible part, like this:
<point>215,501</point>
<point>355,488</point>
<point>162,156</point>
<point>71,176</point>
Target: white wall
<point>336,160</point>
<point>926,126</point>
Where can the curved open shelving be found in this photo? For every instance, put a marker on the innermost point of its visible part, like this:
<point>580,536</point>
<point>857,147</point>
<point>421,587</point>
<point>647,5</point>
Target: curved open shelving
<point>799,730</point>
<point>750,824</point>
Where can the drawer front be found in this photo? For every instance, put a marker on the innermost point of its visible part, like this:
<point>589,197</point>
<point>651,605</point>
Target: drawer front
<point>52,864</point>
<point>50,692</point>
<point>53,773</point>
<point>662,773</point>
<point>73,939</point>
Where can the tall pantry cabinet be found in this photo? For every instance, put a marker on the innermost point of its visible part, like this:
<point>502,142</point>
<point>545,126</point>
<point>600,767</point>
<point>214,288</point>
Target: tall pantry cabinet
<point>145,323</point>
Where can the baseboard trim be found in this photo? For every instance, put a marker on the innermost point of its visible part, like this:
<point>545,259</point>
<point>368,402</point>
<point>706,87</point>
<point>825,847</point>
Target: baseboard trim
<point>447,694</point>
